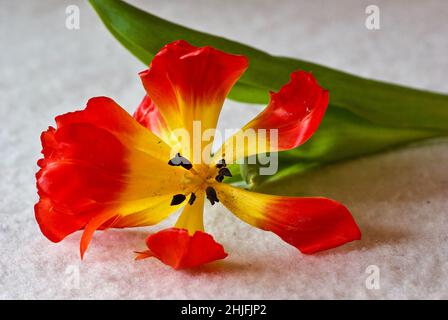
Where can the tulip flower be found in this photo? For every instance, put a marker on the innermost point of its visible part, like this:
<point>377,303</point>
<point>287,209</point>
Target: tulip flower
<point>103,168</point>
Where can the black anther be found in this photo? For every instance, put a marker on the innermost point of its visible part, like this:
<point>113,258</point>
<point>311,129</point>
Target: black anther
<point>178,199</point>
<point>225,172</point>
<point>211,195</point>
<point>192,198</point>
<point>221,164</point>
<point>178,160</point>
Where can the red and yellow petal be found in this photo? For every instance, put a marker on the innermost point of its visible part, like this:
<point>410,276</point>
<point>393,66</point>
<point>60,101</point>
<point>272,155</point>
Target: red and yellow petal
<point>309,224</point>
<point>105,114</point>
<point>102,169</point>
<point>180,250</point>
<point>290,119</point>
<point>188,83</point>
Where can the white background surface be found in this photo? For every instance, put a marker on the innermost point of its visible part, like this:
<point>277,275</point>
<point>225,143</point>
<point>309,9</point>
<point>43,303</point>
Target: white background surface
<point>399,198</point>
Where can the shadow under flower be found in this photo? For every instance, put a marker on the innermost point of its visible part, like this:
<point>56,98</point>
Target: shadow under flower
<point>223,267</point>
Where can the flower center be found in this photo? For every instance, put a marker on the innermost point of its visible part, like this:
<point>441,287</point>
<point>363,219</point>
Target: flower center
<point>199,177</point>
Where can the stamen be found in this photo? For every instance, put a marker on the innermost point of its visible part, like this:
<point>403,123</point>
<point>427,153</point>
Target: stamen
<point>211,195</point>
<point>221,164</point>
<point>192,199</point>
<point>178,160</point>
<point>225,172</point>
<point>178,199</point>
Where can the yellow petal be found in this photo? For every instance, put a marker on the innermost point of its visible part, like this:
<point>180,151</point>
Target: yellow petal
<point>191,217</point>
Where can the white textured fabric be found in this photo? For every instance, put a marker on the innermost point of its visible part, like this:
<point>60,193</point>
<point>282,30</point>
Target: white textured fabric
<point>399,198</point>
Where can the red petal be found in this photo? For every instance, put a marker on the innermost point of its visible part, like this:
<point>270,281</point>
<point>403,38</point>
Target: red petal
<point>311,224</point>
<point>296,110</point>
<point>85,166</point>
<point>56,225</point>
<point>176,248</point>
<point>69,188</point>
<point>149,116</point>
<point>143,254</point>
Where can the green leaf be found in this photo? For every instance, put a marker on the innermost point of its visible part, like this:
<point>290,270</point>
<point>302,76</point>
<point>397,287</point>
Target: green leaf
<point>365,116</point>
<point>341,136</point>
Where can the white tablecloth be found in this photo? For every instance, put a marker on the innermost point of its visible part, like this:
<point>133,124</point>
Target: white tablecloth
<point>398,198</point>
